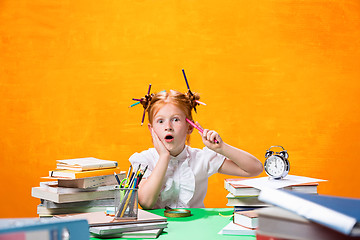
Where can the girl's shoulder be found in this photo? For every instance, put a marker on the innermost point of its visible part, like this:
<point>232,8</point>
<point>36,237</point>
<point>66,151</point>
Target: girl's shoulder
<point>147,156</point>
<point>201,153</point>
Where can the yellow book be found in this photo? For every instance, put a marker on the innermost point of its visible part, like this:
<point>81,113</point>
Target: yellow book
<point>71,174</point>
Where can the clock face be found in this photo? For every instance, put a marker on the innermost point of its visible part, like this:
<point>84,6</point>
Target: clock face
<point>275,166</point>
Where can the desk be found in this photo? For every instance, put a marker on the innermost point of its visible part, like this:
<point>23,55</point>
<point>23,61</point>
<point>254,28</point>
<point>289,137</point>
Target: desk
<point>205,223</point>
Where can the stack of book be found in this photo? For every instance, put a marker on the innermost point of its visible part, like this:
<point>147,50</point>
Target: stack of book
<point>307,216</point>
<point>78,185</point>
<point>118,220</point>
<point>244,199</point>
<point>147,225</point>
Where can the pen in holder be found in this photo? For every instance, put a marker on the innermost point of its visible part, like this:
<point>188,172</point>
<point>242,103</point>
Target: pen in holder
<point>126,203</point>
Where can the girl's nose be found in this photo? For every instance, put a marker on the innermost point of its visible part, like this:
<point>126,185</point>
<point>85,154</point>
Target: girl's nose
<point>168,127</point>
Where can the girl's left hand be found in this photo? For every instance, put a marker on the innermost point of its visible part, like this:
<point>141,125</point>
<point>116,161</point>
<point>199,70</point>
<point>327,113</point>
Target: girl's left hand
<point>158,144</point>
<point>209,137</point>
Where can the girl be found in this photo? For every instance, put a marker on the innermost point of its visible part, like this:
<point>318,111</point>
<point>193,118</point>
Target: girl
<point>177,175</point>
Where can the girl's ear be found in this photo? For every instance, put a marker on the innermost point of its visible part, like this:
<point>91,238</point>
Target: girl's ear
<point>190,129</point>
<point>149,126</point>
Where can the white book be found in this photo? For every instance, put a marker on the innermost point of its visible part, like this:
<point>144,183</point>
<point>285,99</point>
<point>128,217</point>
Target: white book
<point>234,229</point>
<point>43,211</point>
<point>248,219</point>
<point>154,233</point>
<point>238,186</point>
<point>53,187</point>
<point>244,201</point>
<point>43,193</point>
<point>110,230</point>
<point>92,203</point>
<point>83,164</point>
<point>91,182</point>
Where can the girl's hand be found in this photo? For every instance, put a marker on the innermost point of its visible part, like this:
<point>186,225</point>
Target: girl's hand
<point>158,144</point>
<point>208,138</point>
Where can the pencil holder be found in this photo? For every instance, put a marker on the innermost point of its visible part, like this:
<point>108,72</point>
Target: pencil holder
<point>126,203</point>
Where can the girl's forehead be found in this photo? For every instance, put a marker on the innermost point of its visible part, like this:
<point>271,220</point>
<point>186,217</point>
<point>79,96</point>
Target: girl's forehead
<point>169,109</point>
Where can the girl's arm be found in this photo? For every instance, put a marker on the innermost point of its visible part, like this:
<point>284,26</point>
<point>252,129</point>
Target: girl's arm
<point>237,162</point>
<point>149,189</point>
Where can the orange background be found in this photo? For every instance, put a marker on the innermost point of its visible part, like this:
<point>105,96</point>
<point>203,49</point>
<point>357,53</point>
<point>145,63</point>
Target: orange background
<point>271,72</point>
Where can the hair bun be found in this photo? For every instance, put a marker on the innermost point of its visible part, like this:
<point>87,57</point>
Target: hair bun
<point>193,97</point>
<point>145,101</point>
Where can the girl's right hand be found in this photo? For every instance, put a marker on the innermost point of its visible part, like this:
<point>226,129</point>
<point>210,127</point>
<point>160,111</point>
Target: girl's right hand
<point>158,144</point>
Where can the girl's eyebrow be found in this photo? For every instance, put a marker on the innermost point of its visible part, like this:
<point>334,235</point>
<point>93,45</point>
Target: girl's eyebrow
<point>161,116</point>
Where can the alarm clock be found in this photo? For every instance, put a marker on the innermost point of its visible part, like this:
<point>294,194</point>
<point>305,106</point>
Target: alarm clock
<point>276,165</point>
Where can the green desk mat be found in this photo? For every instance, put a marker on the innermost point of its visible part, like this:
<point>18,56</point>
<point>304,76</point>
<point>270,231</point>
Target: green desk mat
<point>205,223</point>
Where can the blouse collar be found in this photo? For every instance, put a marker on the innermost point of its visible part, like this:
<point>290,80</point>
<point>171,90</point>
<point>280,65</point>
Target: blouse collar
<point>181,156</point>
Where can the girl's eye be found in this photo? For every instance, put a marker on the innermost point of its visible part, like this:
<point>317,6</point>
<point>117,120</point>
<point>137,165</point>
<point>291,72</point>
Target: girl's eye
<point>176,119</point>
<point>160,121</point>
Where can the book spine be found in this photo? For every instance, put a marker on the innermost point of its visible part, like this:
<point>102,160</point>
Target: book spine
<point>93,203</point>
<point>100,166</point>
<point>94,173</point>
<point>90,182</point>
<point>42,210</point>
<point>84,174</point>
<point>88,167</point>
<point>41,193</point>
<point>65,190</point>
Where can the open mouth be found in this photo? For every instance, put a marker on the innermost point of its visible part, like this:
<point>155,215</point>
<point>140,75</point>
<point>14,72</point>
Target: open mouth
<point>169,138</point>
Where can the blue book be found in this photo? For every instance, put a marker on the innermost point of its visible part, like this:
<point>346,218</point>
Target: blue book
<point>338,213</point>
<point>44,228</point>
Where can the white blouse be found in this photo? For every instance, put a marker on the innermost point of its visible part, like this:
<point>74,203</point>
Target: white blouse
<point>186,178</point>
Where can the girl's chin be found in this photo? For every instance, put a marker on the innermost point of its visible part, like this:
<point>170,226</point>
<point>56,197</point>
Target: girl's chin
<point>174,152</point>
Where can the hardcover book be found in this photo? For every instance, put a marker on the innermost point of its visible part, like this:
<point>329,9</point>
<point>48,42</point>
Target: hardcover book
<point>278,223</point>
<point>234,229</point>
<point>90,182</point>
<point>45,229</point>
<point>248,219</point>
<point>42,211</point>
<point>71,174</point>
<point>116,229</point>
<point>154,233</point>
<point>43,193</point>
<point>244,201</point>
<point>53,187</point>
<point>236,188</point>
<point>107,202</point>
<point>83,164</point>
<point>97,219</point>
<point>338,213</point>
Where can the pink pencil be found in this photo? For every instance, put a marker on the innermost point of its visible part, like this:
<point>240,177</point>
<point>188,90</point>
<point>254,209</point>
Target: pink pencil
<point>198,128</point>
